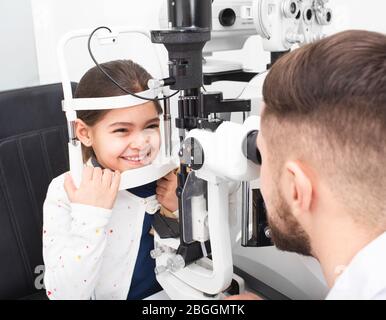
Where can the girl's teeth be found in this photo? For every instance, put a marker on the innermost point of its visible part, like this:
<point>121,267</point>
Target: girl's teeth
<point>135,158</point>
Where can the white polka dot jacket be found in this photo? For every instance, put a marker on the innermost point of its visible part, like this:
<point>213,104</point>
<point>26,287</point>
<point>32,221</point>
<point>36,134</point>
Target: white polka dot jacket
<point>90,252</point>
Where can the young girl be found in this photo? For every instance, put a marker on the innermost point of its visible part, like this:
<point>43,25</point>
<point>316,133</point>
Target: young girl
<point>96,240</point>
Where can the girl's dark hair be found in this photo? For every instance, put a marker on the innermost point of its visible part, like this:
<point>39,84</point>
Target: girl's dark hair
<point>94,84</point>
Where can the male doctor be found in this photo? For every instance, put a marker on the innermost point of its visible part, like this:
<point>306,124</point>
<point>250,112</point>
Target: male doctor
<point>323,148</point>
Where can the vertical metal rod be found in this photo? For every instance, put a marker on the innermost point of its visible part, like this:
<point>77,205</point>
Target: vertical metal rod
<point>245,206</point>
<point>167,128</point>
<point>245,213</point>
<point>72,133</point>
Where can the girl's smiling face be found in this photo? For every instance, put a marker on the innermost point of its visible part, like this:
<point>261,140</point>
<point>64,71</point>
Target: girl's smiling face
<point>124,139</point>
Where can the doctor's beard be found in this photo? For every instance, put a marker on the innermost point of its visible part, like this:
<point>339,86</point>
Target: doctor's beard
<point>290,236</point>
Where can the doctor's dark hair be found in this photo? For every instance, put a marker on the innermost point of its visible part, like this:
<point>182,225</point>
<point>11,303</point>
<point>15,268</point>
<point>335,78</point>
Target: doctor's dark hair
<point>325,104</point>
<point>94,84</point>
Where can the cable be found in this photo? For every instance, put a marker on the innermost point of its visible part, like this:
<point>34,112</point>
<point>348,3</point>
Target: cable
<point>256,76</point>
<point>111,79</point>
<point>245,87</point>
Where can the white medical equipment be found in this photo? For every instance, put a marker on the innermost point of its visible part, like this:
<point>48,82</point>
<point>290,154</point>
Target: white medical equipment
<point>165,160</point>
<point>212,153</point>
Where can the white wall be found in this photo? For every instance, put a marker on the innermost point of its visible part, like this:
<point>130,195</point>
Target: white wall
<point>18,61</point>
<point>52,19</point>
<point>358,14</point>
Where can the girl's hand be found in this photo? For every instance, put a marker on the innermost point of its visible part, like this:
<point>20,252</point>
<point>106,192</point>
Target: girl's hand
<point>98,187</point>
<point>166,191</point>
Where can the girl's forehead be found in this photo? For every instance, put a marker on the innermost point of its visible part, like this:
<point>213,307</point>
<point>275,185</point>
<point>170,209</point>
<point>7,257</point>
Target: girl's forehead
<point>135,114</point>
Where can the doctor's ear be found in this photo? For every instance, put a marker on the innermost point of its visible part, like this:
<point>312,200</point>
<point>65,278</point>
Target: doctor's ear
<point>300,187</point>
<point>83,132</point>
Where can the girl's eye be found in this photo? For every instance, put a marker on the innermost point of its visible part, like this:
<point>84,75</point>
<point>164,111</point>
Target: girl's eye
<point>120,130</point>
<point>153,126</point>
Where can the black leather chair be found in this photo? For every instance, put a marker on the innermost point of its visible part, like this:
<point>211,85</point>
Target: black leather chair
<point>33,150</point>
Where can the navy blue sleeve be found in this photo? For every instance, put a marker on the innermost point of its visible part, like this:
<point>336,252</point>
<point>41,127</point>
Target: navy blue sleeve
<point>144,282</point>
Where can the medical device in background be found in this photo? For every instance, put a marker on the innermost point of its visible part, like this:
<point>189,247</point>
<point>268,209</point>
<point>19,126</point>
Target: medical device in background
<point>188,272</point>
<point>196,261</point>
<point>281,24</point>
